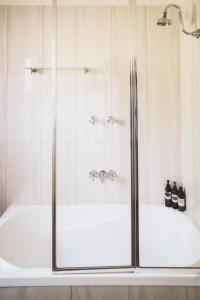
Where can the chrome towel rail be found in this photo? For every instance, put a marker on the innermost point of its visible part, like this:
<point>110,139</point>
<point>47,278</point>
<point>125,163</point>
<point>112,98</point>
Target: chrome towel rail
<point>34,70</point>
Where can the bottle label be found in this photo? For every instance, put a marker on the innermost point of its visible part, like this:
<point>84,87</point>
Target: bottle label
<point>174,198</point>
<point>168,196</point>
<point>181,202</point>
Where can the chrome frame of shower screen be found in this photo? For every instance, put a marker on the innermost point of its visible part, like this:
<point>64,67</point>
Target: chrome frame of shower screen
<point>134,155</point>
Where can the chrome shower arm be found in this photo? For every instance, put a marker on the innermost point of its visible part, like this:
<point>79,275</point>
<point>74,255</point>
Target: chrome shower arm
<point>195,33</point>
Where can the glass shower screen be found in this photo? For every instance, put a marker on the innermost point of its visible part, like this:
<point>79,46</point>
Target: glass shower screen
<point>92,150</point>
<point>168,112</point>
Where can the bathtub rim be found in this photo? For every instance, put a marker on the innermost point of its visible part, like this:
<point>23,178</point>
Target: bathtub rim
<point>133,277</point>
<point>138,278</point>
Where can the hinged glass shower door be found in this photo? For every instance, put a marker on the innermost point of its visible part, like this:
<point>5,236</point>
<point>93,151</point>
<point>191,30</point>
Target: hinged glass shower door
<point>93,193</point>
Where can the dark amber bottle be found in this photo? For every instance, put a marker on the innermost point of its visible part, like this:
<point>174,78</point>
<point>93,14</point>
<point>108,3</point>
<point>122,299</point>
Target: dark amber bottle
<point>168,195</point>
<point>175,196</point>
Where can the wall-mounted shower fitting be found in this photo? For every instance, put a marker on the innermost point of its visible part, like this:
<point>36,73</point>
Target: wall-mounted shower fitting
<point>93,120</point>
<point>102,175</point>
<point>112,175</point>
<point>111,120</point>
<point>165,21</point>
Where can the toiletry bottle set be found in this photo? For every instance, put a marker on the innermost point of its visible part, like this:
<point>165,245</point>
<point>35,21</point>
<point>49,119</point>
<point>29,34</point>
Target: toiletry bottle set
<point>174,197</point>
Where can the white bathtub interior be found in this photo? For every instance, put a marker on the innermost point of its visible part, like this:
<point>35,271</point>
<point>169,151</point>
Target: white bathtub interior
<point>25,235</point>
<point>92,235</point>
<point>168,238</point>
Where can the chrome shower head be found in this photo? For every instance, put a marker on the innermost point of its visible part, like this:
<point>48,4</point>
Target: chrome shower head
<point>164,21</point>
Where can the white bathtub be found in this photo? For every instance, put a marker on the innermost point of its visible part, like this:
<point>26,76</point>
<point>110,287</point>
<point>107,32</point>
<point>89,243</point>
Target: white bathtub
<point>25,246</point>
<point>168,238</point>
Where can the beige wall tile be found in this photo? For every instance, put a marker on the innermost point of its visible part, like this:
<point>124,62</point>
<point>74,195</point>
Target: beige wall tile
<point>157,293</point>
<point>46,174</point>
<point>3,40</point>
<point>66,173</point>
<point>163,102</point>
<point>143,118</point>
<point>196,141</point>
<point>196,24</point>
<point>3,86</point>
<point>187,137</point>
<point>67,36</point>
<point>143,174</point>
<point>23,174</point>
<point>96,40</point>
<point>100,293</point>
<point>46,108</point>
<point>120,39</point>
<point>2,177</point>
<point>162,43</point>
<point>141,37</point>
<point>120,110</point>
<point>23,109</point>
<point>163,163</point>
<point>47,34</point>
<point>186,54</point>
<point>42,293</point>
<point>67,107</point>
<point>24,38</point>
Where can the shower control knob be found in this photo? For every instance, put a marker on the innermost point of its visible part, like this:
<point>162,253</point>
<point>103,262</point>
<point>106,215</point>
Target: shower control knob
<point>93,174</point>
<point>111,120</point>
<point>93,120</point>
<point>102,175</point>
<point>112,174</point>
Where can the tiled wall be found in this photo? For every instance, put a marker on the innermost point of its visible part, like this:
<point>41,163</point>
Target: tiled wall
<point>100,293</point>
<point>190,92</point>
<point>94,37</point>
<point>98,41</point>
<point>25,100</point>
<point>169,81</point>
<point>158,103</point>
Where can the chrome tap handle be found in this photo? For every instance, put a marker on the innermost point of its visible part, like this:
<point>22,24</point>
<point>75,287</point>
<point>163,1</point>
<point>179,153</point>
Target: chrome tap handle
<point>93,120</point>
<point>111,120</point>
<point>102,175</point>
<point>93,174</point>
<point>112,174</point>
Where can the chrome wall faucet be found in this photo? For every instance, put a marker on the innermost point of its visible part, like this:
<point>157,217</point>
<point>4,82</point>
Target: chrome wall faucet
<point>102,175</point>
